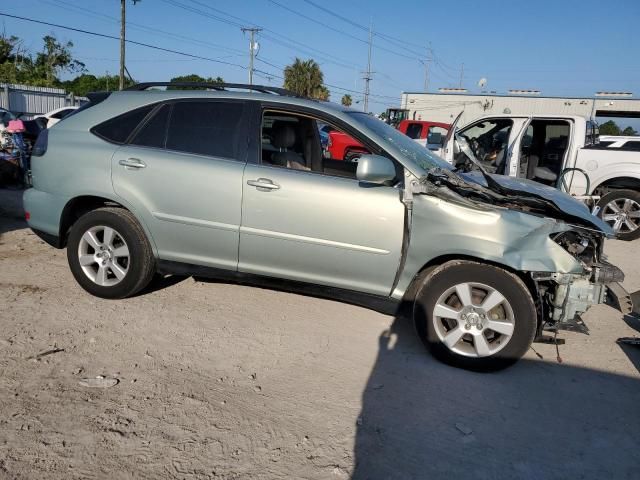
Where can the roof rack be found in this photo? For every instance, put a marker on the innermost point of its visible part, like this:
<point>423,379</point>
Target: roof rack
<point>214,86</point>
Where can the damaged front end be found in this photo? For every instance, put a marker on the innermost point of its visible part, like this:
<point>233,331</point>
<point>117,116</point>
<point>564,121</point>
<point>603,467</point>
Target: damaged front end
<point>565,296</point>
<point>537,231</point>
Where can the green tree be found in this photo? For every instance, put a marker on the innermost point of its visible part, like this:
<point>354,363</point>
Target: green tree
<point>346,100</point>
<point>609,128</point>
<point>19,66</point>
<point>629,131</point>
<point>194,78</point>
<point>85,83</point>
<point>54,59</point>
<point>305,78</point>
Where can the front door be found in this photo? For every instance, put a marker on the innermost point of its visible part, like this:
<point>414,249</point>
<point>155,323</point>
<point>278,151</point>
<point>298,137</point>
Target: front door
<point>303,219</point>
<point>182,172</point>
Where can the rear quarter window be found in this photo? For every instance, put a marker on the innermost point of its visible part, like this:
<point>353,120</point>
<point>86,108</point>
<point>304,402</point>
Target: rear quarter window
<point>119,129</point>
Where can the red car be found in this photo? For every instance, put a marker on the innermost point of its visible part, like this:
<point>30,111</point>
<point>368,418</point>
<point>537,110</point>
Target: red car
<point>341,146</point>
<point>429,134</point>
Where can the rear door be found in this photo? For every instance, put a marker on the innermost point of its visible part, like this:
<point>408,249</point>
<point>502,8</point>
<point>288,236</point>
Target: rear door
<point>183,169</point>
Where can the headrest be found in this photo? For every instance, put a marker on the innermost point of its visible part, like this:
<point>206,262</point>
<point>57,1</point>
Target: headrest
<point>284,135</point>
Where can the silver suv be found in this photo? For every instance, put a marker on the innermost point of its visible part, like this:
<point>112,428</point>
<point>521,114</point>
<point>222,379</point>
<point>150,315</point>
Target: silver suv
<point>232,181</point>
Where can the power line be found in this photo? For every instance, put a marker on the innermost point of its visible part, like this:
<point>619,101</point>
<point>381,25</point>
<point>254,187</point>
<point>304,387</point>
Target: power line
<point>387,37</point>
<point>144,28</point>
<point>271,35</point>
<point>337,30</point>
<point>112,37</point>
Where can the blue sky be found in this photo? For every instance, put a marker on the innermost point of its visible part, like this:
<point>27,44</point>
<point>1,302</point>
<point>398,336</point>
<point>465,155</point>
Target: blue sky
<point>561,47</point>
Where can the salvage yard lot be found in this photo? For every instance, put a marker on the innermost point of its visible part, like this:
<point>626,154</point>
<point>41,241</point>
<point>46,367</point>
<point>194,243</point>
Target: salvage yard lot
<point>228,381</point>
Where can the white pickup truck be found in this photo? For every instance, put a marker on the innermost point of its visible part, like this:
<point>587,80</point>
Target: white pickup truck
<point>561,151</point>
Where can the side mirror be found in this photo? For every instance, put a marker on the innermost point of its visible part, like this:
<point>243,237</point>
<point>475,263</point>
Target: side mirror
<point>375,169</point>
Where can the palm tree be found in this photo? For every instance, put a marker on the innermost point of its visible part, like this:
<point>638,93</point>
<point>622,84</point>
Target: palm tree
<point>346,100</point>
<point>305,78</point>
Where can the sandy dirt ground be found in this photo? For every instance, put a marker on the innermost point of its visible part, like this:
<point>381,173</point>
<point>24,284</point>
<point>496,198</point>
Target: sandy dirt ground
<point>235,382</point>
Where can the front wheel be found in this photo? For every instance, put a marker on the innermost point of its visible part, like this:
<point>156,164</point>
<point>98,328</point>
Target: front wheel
<point>109,254</point>
<point>475,316</point>
<point>621,210</point>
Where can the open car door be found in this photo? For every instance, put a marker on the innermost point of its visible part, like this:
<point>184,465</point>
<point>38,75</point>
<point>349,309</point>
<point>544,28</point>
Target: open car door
<point>449,141</point>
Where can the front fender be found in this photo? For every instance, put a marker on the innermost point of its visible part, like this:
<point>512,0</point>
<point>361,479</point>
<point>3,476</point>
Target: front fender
<point>517,240</point>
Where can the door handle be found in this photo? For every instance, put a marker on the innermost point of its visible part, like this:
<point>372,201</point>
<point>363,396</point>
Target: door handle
<point>263,184</point>
<point>132,163</point>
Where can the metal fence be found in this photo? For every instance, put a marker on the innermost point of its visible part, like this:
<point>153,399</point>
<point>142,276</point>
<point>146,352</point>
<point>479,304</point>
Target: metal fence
<point>29,101</point>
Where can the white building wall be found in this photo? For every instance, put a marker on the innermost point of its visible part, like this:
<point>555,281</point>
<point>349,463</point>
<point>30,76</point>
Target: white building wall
<point>442,107</point>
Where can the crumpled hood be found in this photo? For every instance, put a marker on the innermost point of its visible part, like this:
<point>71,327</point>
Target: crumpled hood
<point>574,209</point>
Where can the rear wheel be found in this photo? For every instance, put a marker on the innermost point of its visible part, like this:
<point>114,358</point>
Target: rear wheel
<point>621,210</point>
<point>475,316</point>
<point>109,254</point>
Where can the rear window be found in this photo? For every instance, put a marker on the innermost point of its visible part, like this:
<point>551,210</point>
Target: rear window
<point>206,128</point>
<point>153,133</point>
<point>118,129</point>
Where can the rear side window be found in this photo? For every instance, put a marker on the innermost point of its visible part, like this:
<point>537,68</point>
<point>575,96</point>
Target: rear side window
<point>118,129</point>
<point>206,128</point>
<point>153,133</point>
<point>632,145</point>
<point>414,130</point>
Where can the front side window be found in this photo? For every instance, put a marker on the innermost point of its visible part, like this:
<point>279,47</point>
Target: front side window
<point>206,128</point>
<point>118,129</point>
<point>302,142</point>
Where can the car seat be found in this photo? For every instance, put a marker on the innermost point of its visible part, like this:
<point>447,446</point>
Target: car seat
<point>284,138</point>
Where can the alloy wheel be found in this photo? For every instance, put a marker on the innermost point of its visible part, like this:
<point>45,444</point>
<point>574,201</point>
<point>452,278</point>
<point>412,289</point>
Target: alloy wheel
<point>623,214</point>
<point>473,320</point>
<point>103,255</point>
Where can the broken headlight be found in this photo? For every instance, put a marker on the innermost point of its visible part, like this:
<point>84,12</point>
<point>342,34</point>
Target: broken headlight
<point>584,246</point>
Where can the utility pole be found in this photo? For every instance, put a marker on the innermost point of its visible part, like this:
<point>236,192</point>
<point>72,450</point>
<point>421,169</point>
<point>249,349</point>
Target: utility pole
<point>461,74</point>
<point>253,47</point>
<point>123,21</point>
<point>367,76</point>
<point>427,65</point>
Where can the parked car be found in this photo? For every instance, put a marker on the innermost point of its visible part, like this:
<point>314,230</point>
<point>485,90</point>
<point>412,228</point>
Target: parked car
<point>560,151</point>
<point>427,134</point>
<point>341,146</point>
<point>619,142</point>
<point>176,182</point>
<point>54,116</point>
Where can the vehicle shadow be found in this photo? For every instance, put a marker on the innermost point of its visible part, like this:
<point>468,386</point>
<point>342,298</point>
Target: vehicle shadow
<point>11,211</point>
<point>535,420</point>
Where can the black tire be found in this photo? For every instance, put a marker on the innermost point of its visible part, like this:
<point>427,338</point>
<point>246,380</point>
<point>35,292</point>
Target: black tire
<point>141,262</point>
<point>618,196</point>
<point>512,288</point>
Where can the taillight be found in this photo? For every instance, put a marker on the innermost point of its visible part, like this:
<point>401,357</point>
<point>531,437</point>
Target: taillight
<point>40,147</point>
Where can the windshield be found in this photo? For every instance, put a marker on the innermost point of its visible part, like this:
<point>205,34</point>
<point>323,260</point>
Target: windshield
<point>411,150</point>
